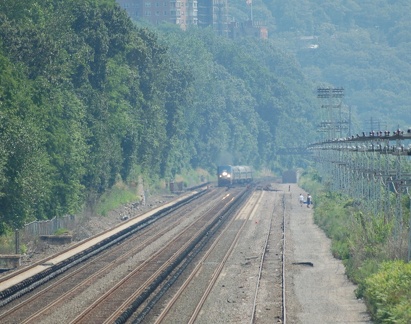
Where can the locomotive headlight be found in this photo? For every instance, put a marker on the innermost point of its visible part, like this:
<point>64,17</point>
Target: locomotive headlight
<point>228,175</point>
<point>224,174</point>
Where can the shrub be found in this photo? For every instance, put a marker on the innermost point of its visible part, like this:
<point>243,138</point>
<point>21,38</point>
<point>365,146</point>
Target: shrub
<point>388,293</point>
<point>117,196</point>
<point>23,249</point>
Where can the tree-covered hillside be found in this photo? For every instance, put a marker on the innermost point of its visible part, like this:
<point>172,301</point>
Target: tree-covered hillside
<point>363,46</point>
<point>87,99</point>
<point>248,97</point>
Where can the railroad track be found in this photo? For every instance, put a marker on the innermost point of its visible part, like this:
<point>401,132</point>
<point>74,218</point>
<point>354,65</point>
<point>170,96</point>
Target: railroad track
<point>177,268</point>
<point>218,265</point>
<point>262,298</point>
<point>75,280</point>
<point>268,266</point>
<point>26,279</point>
<point>50,300</point>
<point>203,234</point>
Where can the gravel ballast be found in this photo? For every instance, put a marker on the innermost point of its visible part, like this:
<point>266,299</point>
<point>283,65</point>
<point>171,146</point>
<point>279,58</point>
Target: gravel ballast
<point>316,287</point>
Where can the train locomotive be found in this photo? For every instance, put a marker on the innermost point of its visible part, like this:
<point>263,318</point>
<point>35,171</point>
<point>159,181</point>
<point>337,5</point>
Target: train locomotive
<point>229,175</point>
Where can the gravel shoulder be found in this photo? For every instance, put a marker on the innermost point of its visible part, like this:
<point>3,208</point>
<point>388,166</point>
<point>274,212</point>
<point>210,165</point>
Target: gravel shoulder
<point>320,293</point>
<point>317,289</point>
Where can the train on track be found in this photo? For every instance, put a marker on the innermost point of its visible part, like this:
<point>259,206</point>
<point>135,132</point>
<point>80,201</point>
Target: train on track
<point>229,175</point>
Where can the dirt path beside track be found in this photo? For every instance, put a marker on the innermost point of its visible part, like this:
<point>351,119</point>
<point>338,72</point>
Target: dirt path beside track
<point>317,288</point>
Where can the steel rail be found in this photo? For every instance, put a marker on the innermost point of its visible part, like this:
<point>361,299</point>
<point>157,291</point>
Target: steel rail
<point>217,272</point>
<point>192,275</point>
<point>258,280</point>
<point>152,278</point>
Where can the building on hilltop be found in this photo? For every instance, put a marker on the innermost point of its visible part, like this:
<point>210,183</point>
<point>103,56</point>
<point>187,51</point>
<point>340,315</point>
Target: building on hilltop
<point>214,13</point>
<point>248,29</point>
<point>203,13</point>
<point>185,13</point>
<point>179,12</point>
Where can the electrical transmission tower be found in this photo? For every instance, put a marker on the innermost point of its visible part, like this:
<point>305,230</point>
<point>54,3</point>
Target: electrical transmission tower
<point>335,122</point>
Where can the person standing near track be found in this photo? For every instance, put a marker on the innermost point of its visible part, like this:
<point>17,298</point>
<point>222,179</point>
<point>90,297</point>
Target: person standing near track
<point>301,200</point>
<point>308,200</point>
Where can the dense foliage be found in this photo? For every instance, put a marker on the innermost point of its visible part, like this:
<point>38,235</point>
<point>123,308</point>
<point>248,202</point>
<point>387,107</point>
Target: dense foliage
<point>87,100</point>
<point>389,293</point>
<point>248,98</point>
<point>363,46</point>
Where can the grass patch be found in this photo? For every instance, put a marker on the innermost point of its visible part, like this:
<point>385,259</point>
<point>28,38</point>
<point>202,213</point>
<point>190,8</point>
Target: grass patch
<point>62,231</point>
<point>119,195</point>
